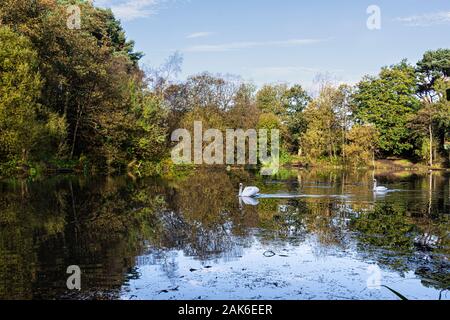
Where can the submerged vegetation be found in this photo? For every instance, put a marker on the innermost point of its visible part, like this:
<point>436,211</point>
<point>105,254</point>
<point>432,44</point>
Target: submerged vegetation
<point>79,100</point>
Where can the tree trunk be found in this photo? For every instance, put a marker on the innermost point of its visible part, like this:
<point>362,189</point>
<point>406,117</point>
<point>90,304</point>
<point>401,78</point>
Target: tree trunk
<point>373,159</point>
<point>80,113</point>
<point>430,193</point>
<point>430,129</point>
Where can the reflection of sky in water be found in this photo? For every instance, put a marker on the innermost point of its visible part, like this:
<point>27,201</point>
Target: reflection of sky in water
<point>306,271</point>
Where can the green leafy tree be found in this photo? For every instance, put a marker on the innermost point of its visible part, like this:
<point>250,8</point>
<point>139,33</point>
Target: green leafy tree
<point>295,99</point>
<point>431,124</point>
<point>91,79</point>
<point>343,112</point>
<point>433,66</point>
<point>270,99</point>
<point>321,138</point>
<point>26,128</point>
<point>388,101</point>
<point>288,104</point>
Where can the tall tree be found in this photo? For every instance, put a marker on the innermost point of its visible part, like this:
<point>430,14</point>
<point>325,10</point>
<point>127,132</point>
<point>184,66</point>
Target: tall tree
<point>361,145</point>
<point>288,104</point>
<point>26,127</point>
<point>433,72</point>
<point>91,79</point>
<point>343,111</point>
<point>433,66</point>
<point>270,99</point>
<point>295,101</point>
<point>244,114</point>
<point>388,101</point>
<point>322,135</point>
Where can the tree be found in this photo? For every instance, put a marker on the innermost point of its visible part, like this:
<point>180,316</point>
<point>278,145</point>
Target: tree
<point>244,114</point>
<point>388,101</point>
<point>90,85</point>
<point>219,101</point>
<point>432,119</point>
<point>162,77</point>
<point>343,114</point>
<point>288,104</point>
<point>295,99</point>
<point>132,129</point>
<point>361,145</point>
<point>117,35</point>
<point>422,123</point>
<point>269,121</point>
<point>322,135</point>
<point>26,127</point>
<point>433,66</point>
<point>270,99</point>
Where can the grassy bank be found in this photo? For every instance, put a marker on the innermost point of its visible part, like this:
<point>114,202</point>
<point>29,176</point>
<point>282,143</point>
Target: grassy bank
<point>380,164</point>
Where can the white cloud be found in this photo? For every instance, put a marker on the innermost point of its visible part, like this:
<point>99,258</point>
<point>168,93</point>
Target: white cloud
<point>250,45</point>
<point>426,20</point>
<point>128,10</point>
<point>198,35</point>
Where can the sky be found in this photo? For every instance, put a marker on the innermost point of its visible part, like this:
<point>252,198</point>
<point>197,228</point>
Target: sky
<point>288,41</point>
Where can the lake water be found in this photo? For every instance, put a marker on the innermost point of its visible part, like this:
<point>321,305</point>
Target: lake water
<point>314,235</point>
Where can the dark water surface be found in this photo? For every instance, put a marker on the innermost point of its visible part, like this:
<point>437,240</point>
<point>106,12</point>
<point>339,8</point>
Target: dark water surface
<point>191,238</point>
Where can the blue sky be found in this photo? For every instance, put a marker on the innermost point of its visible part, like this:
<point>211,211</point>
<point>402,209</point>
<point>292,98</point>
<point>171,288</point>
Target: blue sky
<point>268,41</point>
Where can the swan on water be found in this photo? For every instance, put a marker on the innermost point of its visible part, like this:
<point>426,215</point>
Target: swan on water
<point>248,192</point>
<point>378,188</point>
<point>248,201</point>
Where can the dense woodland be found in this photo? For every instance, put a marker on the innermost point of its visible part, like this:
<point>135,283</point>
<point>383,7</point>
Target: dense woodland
<point>79,99</point>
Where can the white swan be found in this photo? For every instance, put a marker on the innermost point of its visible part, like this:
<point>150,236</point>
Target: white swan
<point>378,188</point>
<point>248,201</point>
<point>248,192</point>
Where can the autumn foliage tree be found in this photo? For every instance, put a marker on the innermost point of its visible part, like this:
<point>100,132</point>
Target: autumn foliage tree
<point>87,80</point>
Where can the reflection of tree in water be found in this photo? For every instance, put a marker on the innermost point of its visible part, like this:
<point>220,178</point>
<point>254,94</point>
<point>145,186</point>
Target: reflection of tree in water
<point>165,259</point>
<point>326,220</point>
<point>205,221</point>
<point>102,225</point>
<point>204,218</point>
<point>45,227</point>
<point>26,221</point>
<point>281,220</point>
<point>414,236</point>
<point>196,240</point>
<point>398,235</point>
<point>387,227</point>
